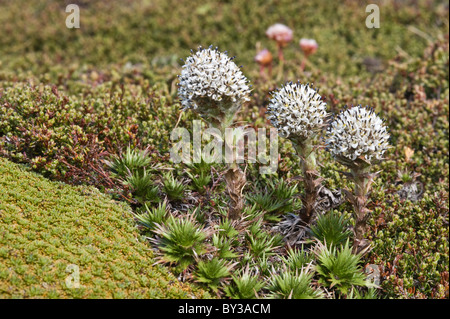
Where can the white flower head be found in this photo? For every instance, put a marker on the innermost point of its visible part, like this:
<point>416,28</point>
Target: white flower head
<point>210,79</point>
<point>297,111</point>
<point>357,133</point>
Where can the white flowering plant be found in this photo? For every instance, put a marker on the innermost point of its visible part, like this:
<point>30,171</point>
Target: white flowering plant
<point>356,138</point>
<point>213,86</point>
<point>299,113</point>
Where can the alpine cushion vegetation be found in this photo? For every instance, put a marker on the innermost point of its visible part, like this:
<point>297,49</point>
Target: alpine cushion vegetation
<point>47,229</point>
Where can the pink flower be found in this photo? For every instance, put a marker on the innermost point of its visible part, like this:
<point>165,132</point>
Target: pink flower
<point>264,57</point>
<point>280,33</point>
<point>308,46</point>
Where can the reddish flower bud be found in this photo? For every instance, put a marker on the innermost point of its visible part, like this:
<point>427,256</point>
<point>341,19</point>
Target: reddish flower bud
<point>308,46</point>
<point>264,57</point>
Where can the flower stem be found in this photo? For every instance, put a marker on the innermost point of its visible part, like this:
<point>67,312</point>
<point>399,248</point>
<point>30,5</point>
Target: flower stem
<point>362,182</point>
<point>261,71</point>
<point>302,66</point>
<point>234,177</point>
<point>235,180</point>
<point>311,179</point>
<point>280,53</point>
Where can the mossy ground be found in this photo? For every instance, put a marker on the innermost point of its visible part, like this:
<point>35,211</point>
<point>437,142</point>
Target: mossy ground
<point>69,98</point>
<point>48,226</point>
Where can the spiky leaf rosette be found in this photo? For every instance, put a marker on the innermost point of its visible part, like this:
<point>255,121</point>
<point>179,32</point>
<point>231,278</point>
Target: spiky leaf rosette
<point>213,272</point>
<point>212,85</point>
<point>357,136</point>
<point>331,229</point>
<point>339,268</point>
<point>297,111</point>
<point>180,240</point>
<point>289,285</point>
<point>245,285</point>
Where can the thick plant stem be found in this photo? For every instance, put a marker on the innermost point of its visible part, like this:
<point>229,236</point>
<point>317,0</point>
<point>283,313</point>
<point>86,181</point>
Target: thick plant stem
<point>362,181</point>
<point>234,177</point>
<point>235,180</point>
<point>311,180</point>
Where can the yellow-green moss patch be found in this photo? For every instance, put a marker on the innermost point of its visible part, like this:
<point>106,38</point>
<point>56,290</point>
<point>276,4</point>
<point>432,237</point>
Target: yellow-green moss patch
<point>45,227</point>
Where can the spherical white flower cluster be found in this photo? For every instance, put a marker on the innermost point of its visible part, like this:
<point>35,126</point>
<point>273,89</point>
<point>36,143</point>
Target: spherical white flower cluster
<point>297,111</point>
<point>357,132</point>
<point>210,76</point>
